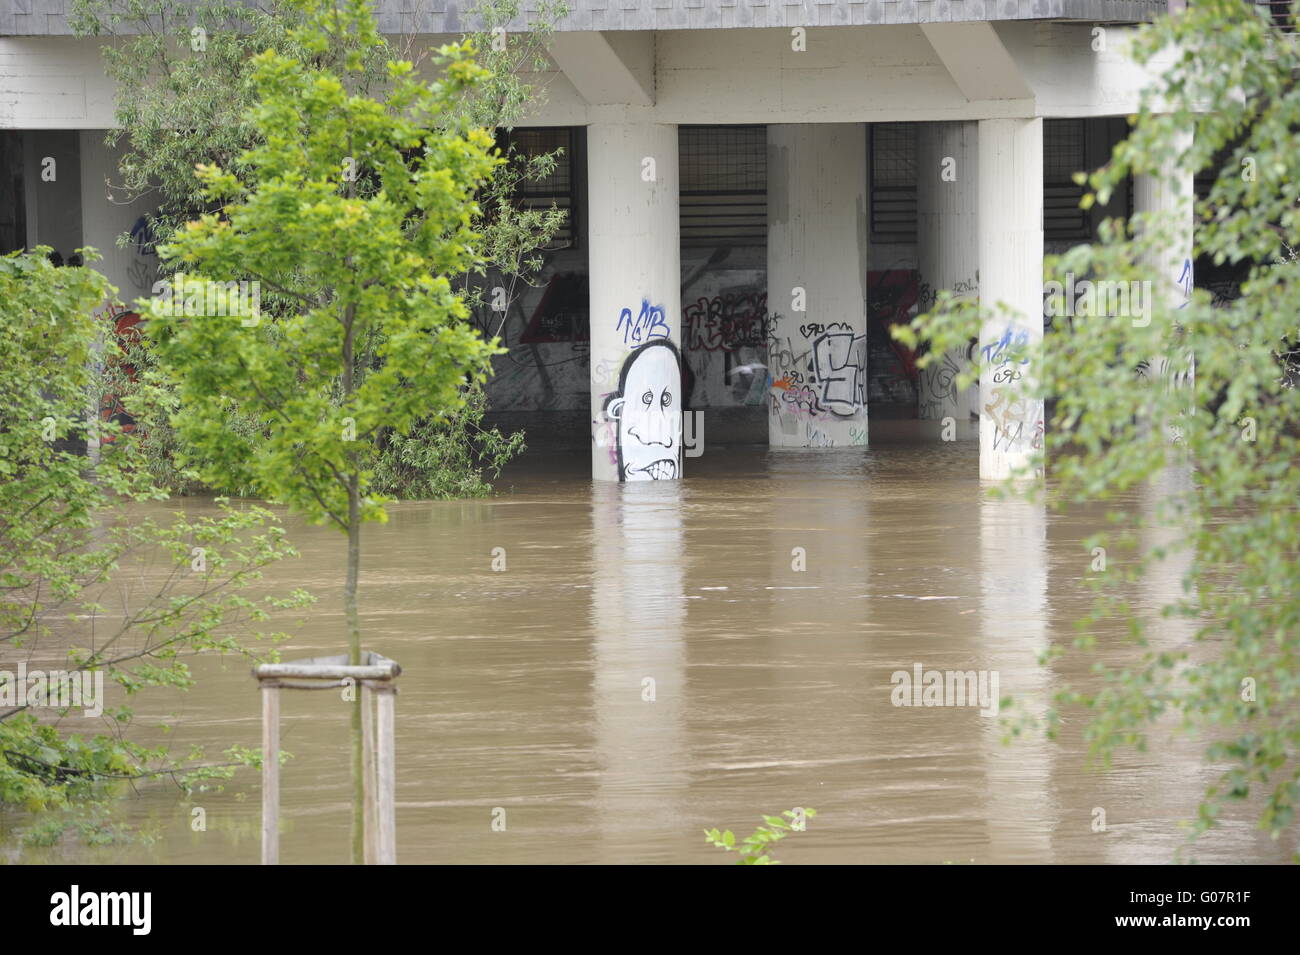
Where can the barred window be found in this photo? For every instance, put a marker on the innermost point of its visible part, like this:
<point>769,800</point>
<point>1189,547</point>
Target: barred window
<point>894,177</point>
<point>1279,11</point>
<point>893,182</point>
<point>1064,153</point>
<point>723,173</point>
<point>559,187</point>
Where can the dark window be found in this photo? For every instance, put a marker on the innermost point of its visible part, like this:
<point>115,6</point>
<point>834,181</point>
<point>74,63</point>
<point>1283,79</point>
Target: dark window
<point>723,185</point>
<point>559,187</point>
<point>1064,154</point>
<point>893,182</point>
<point>894,177</point>
<point>13,200</point>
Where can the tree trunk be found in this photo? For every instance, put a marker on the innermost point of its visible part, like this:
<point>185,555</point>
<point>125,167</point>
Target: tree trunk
<point>359,782</point>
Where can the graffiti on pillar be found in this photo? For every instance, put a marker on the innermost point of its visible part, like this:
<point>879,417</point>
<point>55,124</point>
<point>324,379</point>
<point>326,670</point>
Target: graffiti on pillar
<point>1007,413</point>
<point>996,352</point>
<point>822,380</point>
<point>938,384</point>
<point>649,323</point>
<point>840,370</point>
<point>1185,282</point>
<point>1010,409</point>
<point>647,410</point>
<point>144,267</point>
<point>1172,374</point>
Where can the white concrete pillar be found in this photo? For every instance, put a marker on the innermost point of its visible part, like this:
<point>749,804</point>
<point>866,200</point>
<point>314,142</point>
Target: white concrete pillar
<point>816,280</point>
<point>1166,200</point>
<point>1168,196</point>
<point>105,215</point>
<point>947,246</point>
<point>1011,289</point>
<point>635,275</point>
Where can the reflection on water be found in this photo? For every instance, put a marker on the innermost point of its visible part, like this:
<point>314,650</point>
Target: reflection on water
<point>660,658</point>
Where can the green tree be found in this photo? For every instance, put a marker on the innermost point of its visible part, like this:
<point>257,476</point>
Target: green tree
<point>379,338</point>
<point>184,75</point>
<point>69,528</point>
<point>1234,519</point>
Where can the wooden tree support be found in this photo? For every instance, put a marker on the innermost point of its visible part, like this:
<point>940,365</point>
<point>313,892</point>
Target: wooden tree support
<point>376,676</point>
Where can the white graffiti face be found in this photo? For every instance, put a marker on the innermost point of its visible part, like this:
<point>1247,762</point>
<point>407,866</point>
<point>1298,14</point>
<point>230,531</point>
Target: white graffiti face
<point>649,415</point>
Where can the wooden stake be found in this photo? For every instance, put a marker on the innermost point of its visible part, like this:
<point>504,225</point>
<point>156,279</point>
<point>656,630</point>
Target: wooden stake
<point>368,770</point>
<point>385,791</point>
<point>270,772</point>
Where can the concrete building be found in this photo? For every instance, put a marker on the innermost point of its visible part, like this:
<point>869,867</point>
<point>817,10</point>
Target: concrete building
<point>756,190</point>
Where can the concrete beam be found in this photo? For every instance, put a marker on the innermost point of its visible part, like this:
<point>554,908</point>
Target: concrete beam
<point>978,61</point>
<point>608,68</point>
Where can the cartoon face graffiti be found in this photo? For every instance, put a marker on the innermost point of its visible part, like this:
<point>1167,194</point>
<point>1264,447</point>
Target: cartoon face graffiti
<point>647,407</point>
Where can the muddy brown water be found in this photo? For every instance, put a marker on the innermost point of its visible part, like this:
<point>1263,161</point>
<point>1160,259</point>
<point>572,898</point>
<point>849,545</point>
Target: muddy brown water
<point>525,689</point>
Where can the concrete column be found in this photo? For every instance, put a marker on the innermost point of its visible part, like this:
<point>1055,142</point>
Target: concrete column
<point>1167,199</point>
<point>635,274</point>
<point>1011,289</point>
<point>1168,196</point>
<point>947,207</point>
<point>816,279</point>
<point>105,215</point>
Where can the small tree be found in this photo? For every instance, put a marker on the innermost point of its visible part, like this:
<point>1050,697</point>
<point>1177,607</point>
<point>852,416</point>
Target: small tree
<point>378,338</point>
<point>183,70</point>
<point>67,531</point>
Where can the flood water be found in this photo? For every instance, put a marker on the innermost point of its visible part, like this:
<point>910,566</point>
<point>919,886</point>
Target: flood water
<point>524,689</point>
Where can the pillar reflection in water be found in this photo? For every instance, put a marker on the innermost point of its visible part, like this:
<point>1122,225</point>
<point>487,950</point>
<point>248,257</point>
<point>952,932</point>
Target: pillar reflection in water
<point>638,617</point>
<point>1013,635</point>
<point>816,621</point>
<point>1165,790</point>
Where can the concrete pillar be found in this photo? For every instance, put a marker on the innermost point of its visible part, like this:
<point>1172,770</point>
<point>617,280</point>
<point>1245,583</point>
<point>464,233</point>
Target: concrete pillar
<point>1166,198</point>
<point>105,215</point>
<point>635,274</point>
<point>816,279</point>
<point>947,212</point>
<point>1011,289</point>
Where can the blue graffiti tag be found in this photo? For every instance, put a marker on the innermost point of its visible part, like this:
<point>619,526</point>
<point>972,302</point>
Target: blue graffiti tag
<point>994,352</point>
<point>650,322</point>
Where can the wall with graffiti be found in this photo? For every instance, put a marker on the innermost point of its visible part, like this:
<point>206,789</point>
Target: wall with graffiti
<point>724,347</point>
<point>547,331</point>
